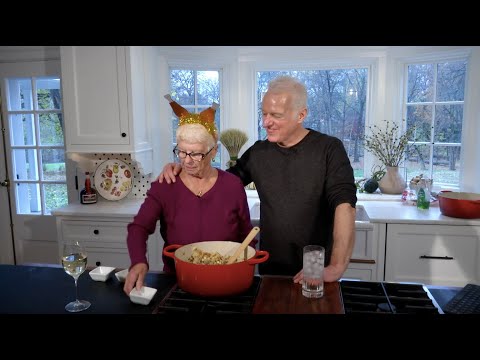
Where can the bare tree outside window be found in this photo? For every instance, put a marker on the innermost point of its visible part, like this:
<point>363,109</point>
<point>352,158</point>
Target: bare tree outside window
<point>37,141</point>
<point>337,106</point>
<point>434,105</point>
<point>195,90</point>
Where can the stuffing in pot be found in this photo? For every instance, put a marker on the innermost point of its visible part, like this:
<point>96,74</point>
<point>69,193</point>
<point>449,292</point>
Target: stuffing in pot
<point>205,258</point>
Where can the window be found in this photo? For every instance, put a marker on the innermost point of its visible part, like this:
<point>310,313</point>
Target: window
<point>336,102</point>
<point>37,144</point>
<point>434,105</point>
<point>195,90</point>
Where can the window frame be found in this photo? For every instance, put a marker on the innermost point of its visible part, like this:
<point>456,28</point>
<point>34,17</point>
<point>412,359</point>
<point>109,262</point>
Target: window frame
<point>195,107</point>
<point>371,64</point>
<point>435,59</point>
<point>240,63</point>
<point>40,196</point>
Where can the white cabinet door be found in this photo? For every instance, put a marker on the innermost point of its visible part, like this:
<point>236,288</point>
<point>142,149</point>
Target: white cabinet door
<point>432,254</point>
<point>105,98</point>
<point>367,256</point>
<point>364,245</point>
<point>94,82</point>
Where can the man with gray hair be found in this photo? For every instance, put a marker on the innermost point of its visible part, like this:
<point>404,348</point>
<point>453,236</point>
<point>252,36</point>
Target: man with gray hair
<point>305,184</point>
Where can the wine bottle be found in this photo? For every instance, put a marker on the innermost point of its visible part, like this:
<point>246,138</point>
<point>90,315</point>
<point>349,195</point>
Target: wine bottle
<point>88,195</point>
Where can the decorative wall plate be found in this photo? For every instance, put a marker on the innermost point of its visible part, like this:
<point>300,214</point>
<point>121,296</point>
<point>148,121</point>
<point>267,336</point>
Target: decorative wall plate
<point>113,179</point>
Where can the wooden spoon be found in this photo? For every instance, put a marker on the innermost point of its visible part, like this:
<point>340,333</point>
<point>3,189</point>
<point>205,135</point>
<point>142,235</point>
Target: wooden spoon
<point>243,245</point>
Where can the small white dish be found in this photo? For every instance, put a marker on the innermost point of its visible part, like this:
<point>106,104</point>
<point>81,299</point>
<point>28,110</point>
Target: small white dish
<point>122,275</point>
<point>101,273</point>
<point>144,296</point>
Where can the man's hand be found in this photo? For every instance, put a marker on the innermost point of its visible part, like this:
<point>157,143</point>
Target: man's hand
<point>135,277</point>
<point>299,277</point>
<point>169,172</point>
<point>331,273</point>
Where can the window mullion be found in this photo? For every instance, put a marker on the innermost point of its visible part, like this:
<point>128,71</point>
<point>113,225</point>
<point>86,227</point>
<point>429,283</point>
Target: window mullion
<point>432,124</point>
<point>38,162</point>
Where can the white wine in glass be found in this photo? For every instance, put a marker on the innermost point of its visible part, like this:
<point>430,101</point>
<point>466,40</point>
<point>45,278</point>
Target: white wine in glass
<point>74,262</point>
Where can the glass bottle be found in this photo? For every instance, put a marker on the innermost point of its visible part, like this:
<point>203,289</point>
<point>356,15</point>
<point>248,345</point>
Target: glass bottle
<point>88,195</point>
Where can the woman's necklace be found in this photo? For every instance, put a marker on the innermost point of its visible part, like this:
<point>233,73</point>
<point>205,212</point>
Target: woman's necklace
<point>203,188</point>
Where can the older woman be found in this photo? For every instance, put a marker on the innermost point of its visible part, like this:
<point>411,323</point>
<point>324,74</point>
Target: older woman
<point>208,204</point>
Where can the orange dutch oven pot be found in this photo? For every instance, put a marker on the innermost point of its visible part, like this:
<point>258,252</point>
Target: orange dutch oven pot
<point>459,204</point>
<point>214,280</point>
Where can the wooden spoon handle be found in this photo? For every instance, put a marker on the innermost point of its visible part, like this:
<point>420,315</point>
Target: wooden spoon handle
<point>244,244</point>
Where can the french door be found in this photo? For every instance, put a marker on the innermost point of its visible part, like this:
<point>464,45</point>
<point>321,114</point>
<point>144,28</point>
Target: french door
<point>33,161</point>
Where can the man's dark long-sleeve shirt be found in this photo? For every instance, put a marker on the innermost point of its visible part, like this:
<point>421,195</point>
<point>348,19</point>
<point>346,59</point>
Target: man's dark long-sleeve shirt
<point>299,188</point>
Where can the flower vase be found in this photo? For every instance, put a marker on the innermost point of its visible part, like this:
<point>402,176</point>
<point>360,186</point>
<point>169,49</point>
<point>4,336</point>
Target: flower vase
<point>392,182</point>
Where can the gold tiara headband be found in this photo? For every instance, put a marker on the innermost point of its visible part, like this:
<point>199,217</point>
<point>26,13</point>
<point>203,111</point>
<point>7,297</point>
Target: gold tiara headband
<point>205,118</point>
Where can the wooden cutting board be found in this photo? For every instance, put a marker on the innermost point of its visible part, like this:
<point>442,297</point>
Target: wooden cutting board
<point>279,295</point>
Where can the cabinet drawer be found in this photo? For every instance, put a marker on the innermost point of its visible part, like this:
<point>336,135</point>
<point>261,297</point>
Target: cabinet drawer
<point>103,234</point>
<point>437,255</point>
<point>108,257</point>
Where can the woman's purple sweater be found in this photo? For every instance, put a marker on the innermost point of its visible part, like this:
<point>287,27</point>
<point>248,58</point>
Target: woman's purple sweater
<point>220,214</point>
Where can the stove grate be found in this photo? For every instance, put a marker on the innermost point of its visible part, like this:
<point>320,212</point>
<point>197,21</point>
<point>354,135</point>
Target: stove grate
<point>180,301</point>
<point>386,298</point>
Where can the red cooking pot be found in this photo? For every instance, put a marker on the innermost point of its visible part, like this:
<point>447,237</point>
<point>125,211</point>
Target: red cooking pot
<point>459,204</point>
<point>214,280</point>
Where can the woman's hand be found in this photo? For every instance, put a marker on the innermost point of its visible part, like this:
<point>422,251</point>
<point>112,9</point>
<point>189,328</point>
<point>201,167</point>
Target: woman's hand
<point>169,172</point>
<point>135,277</point>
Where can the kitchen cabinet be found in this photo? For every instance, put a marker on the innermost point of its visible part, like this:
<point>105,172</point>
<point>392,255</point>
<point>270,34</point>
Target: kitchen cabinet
<point>366,262</point>
<point>432,254</point>
<point>104,99</point>
<point>105,240</point>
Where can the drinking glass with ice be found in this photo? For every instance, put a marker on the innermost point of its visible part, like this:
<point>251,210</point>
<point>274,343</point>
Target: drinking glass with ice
<point>313,262</point>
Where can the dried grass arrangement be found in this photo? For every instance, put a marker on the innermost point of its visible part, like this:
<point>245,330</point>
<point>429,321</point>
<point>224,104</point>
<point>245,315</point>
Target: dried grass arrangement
<point>233,140</point>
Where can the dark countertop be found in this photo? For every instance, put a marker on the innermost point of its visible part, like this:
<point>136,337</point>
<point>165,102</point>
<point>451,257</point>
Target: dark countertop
<point>443,294</point>
<point>47,289</point>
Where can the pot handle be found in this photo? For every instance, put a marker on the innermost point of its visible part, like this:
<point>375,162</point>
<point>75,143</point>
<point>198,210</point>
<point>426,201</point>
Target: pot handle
<point>170,249</point>
<point>444,191</point>
<point>260,257</point>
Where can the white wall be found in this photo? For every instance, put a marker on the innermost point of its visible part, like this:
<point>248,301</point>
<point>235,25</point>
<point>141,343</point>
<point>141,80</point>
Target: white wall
<point>471,130</point>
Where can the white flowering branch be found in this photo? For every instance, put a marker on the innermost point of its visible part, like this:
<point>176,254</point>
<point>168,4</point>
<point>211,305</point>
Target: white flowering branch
<point>386,145</point>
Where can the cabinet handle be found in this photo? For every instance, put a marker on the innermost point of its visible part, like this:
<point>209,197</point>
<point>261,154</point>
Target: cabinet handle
<point>98,263</point>
<point>96,232</point>
<point>362,261</point>
<point>124,135</point>
<point>436,257</point>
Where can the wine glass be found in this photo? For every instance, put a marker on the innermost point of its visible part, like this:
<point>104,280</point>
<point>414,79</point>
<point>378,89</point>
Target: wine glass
<point>74,262</point>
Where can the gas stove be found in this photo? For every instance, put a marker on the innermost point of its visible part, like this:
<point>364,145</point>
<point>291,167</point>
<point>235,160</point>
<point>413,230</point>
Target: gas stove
<point>180,301</point>
<point>387,298</point>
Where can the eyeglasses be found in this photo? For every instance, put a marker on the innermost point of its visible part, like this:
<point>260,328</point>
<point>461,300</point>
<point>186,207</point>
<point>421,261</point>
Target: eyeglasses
<point>194,155</point>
